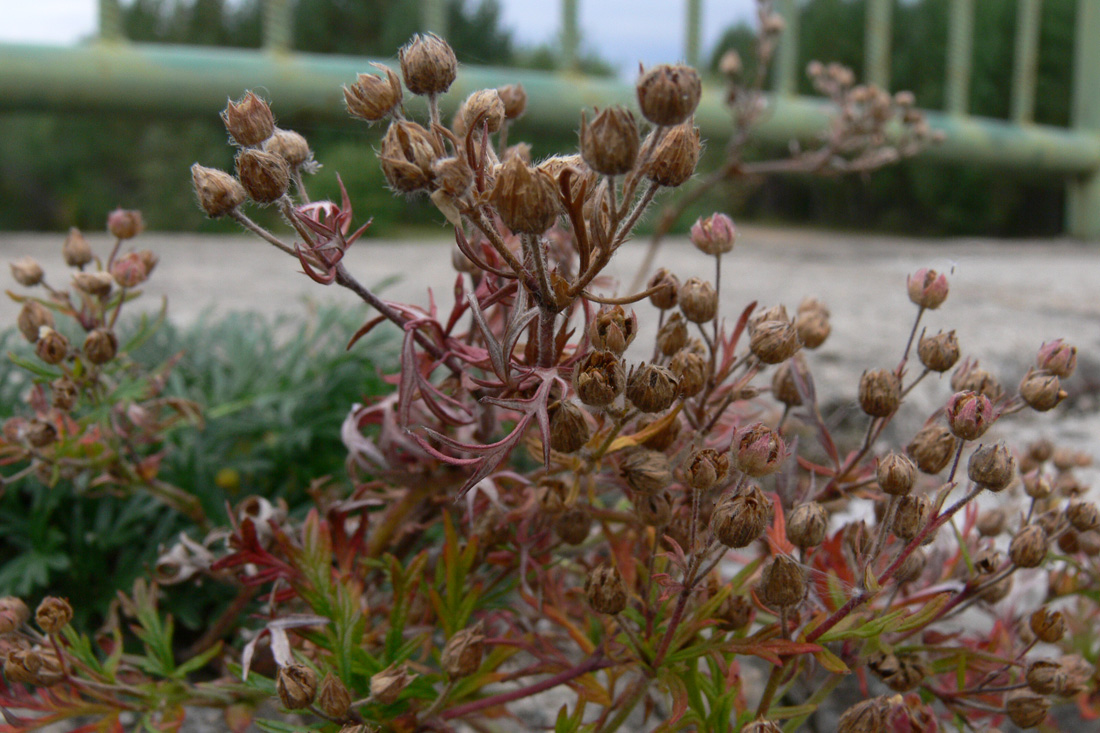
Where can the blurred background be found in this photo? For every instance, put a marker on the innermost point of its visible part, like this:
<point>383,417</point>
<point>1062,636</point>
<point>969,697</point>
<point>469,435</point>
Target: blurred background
<point>59,169</point>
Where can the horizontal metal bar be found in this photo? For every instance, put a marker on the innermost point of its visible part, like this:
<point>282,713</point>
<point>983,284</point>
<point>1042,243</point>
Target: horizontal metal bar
<point>167,81</point>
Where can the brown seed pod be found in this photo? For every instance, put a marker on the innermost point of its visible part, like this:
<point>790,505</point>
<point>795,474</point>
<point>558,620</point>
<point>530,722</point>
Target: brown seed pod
<point>758,450</point>
<point>869,716</point>
<point>483,108</point>
<point>290,146</point>
<point>462,654</point>
<point>646,471</point>
<point>1029,547</point>
<point>773,341</point>
<point>613,330</point>
<point>1045,676</point>
<point>971,378</point>
<point>692,370</point>
<point>1041,390</point>
<point>783,583</point>
<point>812,327</point>
<point>1037,485</point>
<point>218,192</point>
<point>371,97</point>
<point>41,433</point>
<point>654,510</point>
<point>39,667</point>
<point>53,614</point>
<point>514,97</point>
<point>879,392</point>
<point>784,386</point>
<point>667,296</point>
<point>428,64</point>
<point>672,336</point>
<point>605,590</point>
<point>911,515</point>
<point>96,284</point>
<point>406,156</point>
<point>651,388</point>
<point>13,614</point>
<point>1026,709</point>
<point>991,522</point>
<point>698,301</point>
<point>668,94</point>
<point>992,467</point>
<point>573,524</point>
<point>599,378</point>
<point>940,352</point>
<point>735,612</point>
<point>969,415</point>
<point>264,176</point>
<point>761,726</point>
<point>569,429</point>
<point>296,685</point>
<point>895,474</point>
<point>333,698</point>
<point>739,519</point>
<point>1083,515</point>
<point>551,494</point>
<point>32,317</point>
<point>525,197</point>
<point>707,467</point>
<point>76,251</point>
<point>27,272</point>
<point>807,524</point>
<point>248,120</point>
<point>674,160</point>
<point>100,345</point>
<point>51,346</point>
<point>912,567</point>
<point>609,144</point>
<point>932,448</point>
<point>386,686</point>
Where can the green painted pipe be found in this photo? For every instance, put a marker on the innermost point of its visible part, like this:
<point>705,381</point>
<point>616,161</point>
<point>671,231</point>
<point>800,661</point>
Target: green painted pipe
<point>178,81</point>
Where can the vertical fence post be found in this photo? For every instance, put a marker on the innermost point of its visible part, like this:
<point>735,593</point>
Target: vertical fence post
<point>570,35</point>
<point>1026,59</point>
<point>433,17</point>
<point>786,68</point>
<point>1083,200</point>
<point>278,25</point>
<point>693,19</point>
<point>876,34</point>
<point>960,43</point>
<point>110,21</point>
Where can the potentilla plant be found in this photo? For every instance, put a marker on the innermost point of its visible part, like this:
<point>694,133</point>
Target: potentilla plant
<point>546,502</point>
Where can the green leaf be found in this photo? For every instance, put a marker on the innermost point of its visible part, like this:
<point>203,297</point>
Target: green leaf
<point>38,369</point>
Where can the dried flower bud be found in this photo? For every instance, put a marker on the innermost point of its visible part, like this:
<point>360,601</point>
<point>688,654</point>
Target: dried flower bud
<point>264,176</point>
<point>129,270</point>
<point>1026,709</point>
<point>39,667</point>
<point>41,433</point>
<point>290,146</point>
<point>912,567</point>
<point>707,467</point>
<point>783,583</point>
<point>730,64</point>
<point>248,120</point>
<point>971,378</point>
<point>33,316</point>
<point>879,392</point>
<point>13,614</point>
<point>1078,674</point>
<point>296,685</point>
<point>677,154</point>
<point>1083,515</point>
<point>599,378</point>
<point>668,95</point>
<point>651,388</point>
<point>646,471</point>
<point>525,197</point>
<point>333,697</point>
<point>895,474</point>
<point>1049,626</point>
<point>406,156</point>
<point>483,107</point>
<point>911,515</point>
<point>573,524</point>
<point>613,330</point>
<point>371,97</point>
<point>569,430</point>
<point>668,295</point>
<point>807,524</point>
<point>969,415</point>
<point>714,235</point>
<point>76,251</point>
<point>386,686</point>
<point>698,300</point>
<point>691,370</point>
<point>1058,358</point>
<point>1042,390</point>
<point>991,467</point>
<point>735,612</point>
<point>98,284</point>
<point>1045,676</point>
<point>1040,450</point>
<point>609,144</point>
<point>940,352</point>
<point>51,346</point>
<point>428,64</point>
<point>100,345</point>
<point>514,97</point>
<point>927,288</point>
<point>551,495</point>
<point>739,519</point>
<point>605,590</point>
<point>1029,547</point>
<point>991,522</point>
<point>773,340</point>
<point>758,450</point>
<point>932,448</point>
<point>27,272</point>
<point>1037,485</point>
<point>218,192</point>
<point>784,386</point>
<point>869,716</point>
<point>462,654</point>
<point>653,509</point>
<point>761,726</point>
<point>672,336</point>
<point>812,326</point>
<point>900,674</point>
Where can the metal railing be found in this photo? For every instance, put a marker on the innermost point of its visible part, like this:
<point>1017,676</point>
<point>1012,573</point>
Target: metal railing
<point>113,74</point>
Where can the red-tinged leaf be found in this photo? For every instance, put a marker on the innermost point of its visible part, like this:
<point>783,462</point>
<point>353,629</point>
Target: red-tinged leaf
<point>777,533</point>
<point>816,467</point>
<point>771,649</point>
<point>680,702</point>
<point>364,330</point>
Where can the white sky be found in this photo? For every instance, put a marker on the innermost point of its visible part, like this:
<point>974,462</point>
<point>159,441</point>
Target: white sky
<point>625,31</point>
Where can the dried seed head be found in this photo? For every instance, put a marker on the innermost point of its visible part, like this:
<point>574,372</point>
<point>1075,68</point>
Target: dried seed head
<point>812,327</point>
<point>98,284</point>
<point>371,97</point>
<point>783,583</point>
<point>1037,485</point>
<point>296,685</point>
<point>1026,709</point>
<point>33,316</point>
<point>462,654</point>
<point>927,288</point>
<point>569,429</point>
<point>1083,515</point>
<point>911,515</point>
<point>677,154</point>
<point>76,251</point>
<point>1045,676</point>
<point>735,612</point>
<point>940,352</point>
<point>807,524</point>
<point>573,524</point>
<point>605,590</point>
<point>761,726</point>
<point>1049,626</point>
<point>971,378</point>
<point>1077,677</point>
<point>39,667</point>
<point>651,388</point>
<point>609,144</point>
<point>525,197</point>
<point>1058,358</point>
<point>912,567</point>
<point>707,467</point>
<point>900,674</point>
<point>668,95</point>
<point>784,386</point>
<point>453,176</point>
<point>51,346</point>
<point>991,522</point>
<point>334,699</point>
<point>879,392</point>
<point>654,509</point>
<point>969,415</point>
<point>1041,390</point>
<point>218,192</point>
<point>992,467</point>
<point>386,686</point>
<point>672,336</point>
<point>264,176</point>
<point>773,340</point>
<point>646,471</point>
<point>1029,547</point>
<point>739,519</point>
<point>514,97</point>
<point>932,448</point>
<point>667,296</point>
<point>758,450</point>
<point>13,614</point>
<point>869,716</point>
<point>895,474</point>
<point>613,330</point>
<point>691,371</point>
<point>406,156</point>
<point>100,345</point>
<point>698,300</point>
<point>248,120</point>
<point>41,433</point>
<point>483,108</point>
<point>714,235</point>
<point>599,378</point>
<point>27,272</point>
<point>428,64</point>
<point>1040,450</point>
<point>290,146</point>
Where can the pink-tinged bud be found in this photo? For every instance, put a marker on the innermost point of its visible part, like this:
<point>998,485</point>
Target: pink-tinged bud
<point>969,415</point>
<point>714,235</point>
<point>927,288</point>
<point>1058,358</point>
<point>758,450</point>
<point>129,270</point>
<point>125,223</point>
